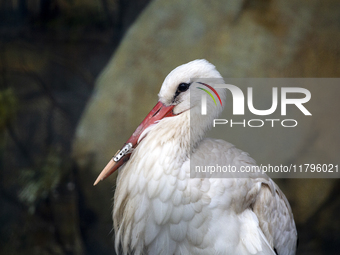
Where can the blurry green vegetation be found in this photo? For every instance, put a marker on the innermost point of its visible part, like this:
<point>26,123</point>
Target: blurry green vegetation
<point>39,181</point>
<point>8,107</point>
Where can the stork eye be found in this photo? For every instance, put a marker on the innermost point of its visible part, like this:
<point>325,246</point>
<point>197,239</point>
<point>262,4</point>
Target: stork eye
<point>183,87</point>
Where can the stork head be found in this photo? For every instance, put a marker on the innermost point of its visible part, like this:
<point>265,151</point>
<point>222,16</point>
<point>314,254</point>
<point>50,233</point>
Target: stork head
<point>179,105</point>
<point>182,81</point>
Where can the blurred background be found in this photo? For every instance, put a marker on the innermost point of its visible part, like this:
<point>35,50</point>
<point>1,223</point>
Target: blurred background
<point>77,77</point>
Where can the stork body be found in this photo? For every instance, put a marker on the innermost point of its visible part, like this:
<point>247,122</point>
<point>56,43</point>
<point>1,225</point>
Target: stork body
<point>159,209</point>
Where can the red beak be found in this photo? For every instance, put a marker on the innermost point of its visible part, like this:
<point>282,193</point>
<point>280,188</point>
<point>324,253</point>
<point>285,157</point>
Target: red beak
<point>159,112</point>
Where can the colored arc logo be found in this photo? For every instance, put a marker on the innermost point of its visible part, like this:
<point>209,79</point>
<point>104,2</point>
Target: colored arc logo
<point>209,93</point>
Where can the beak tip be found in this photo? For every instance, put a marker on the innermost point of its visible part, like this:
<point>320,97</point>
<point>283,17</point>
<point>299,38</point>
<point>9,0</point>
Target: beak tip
<point>96,182</point>
<point>108,169</point>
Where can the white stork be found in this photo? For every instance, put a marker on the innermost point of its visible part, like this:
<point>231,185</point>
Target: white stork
<point>159,209</point>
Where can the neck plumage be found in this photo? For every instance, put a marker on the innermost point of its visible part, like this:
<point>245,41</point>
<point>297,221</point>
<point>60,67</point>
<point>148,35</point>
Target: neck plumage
<point>154,167</point>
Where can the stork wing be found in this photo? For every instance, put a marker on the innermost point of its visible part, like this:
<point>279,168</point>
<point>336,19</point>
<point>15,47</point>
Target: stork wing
<point>264,198</point>
<point>276,219</point>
